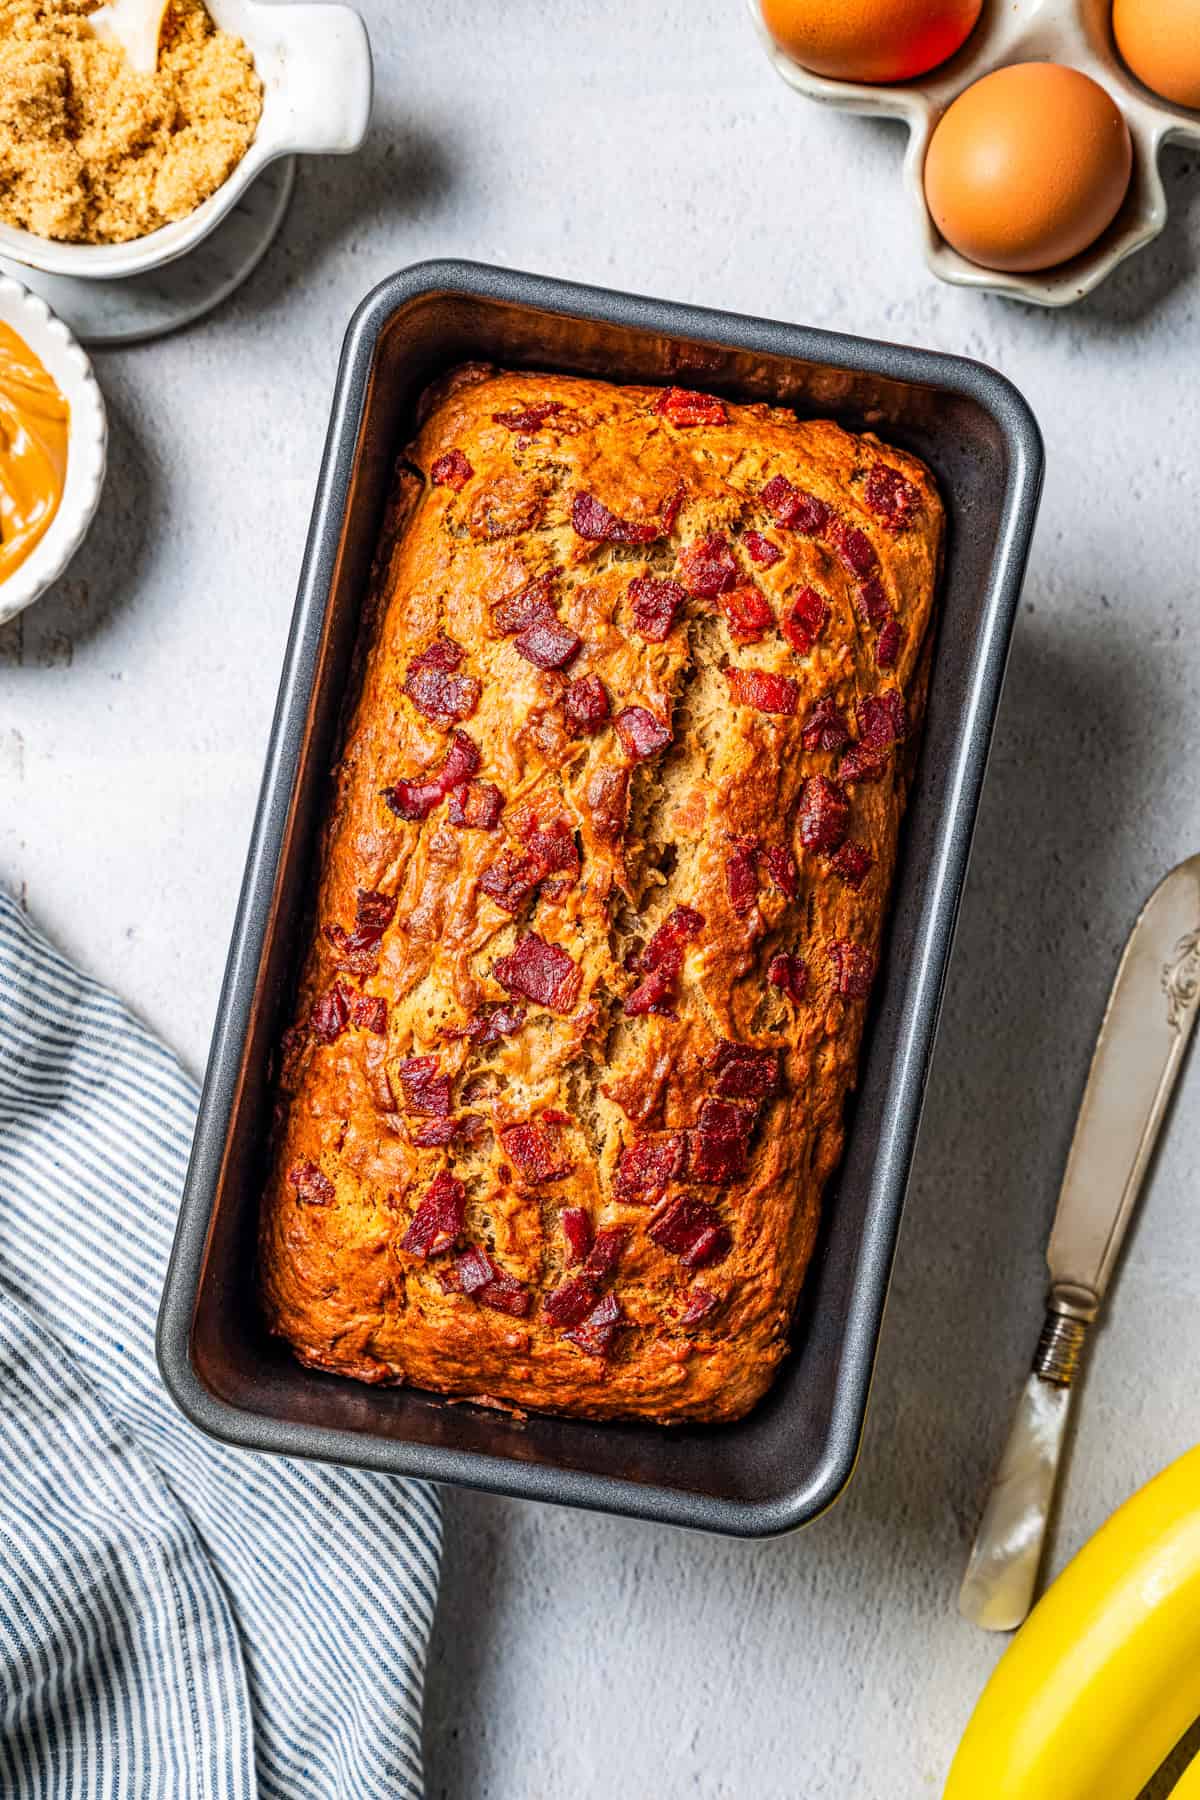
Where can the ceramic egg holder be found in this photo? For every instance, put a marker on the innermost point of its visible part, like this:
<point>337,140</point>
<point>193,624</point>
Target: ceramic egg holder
<point>1076,33</point>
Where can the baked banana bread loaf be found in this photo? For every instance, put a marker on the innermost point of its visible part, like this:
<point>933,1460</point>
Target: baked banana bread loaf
<point>600,897</point>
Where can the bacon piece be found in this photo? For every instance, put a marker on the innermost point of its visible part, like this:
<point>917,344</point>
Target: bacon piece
<point>570,1303</point>
<point>592,520</point>
<point>542,972</point>
<point>887,645</point>
<point>872,601</point>
<point>478,1277</point>
<point>533,605</point>
<point>476,806</point>
<point>683,408</point>
<point>438,1220</point>
<point>744,1071</point>
<point>647,1165</point>
<point>416,799</point>
<point>708,567</point>
<point>882,720</point>
<point>528,418</point>
<point>311,1186</point>
<point>670,511</point>
<point>827,727</point>
<point>763,691</point>
<point>556,852</point>
<point>586,704</point>
<point>357,951</point>
<point>761,550</point>
<point>330,1015</point>
<point>790,975</point>
<point>370,1011</point>
<point>741,874</point>
<point>548,644</point>
<point>795,510</point>
<point>855,551</point>
<point>891,497</point>
<point>452,471</point>
<point>748,614</point>
<point>661,963</point>
<point>537,1151</point>
<point>474,1269</point>
<point>700,1303</point>
<point>491,1023</point>
<point>425,1091</point>
<point>861,764</point>
<point>781,867</point>
<point>433,687</point>
<point>654,994</point>
<point>605,1253</point>
<point>805,620</point>
<point>641,733</point>
<point>511,879</point>
<point>691,1229</point>
<point>433,1134</point>
<point>596,1333</point>
<point>853,863</point>
<point>655,604</point>
<point>854,966</point>
<point>823,814</point>
<point>719,1142</point>
<point>576,1224</point>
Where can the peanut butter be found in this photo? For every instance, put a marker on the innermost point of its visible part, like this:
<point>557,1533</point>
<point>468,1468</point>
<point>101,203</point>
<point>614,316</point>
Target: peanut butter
<point>34,425</point>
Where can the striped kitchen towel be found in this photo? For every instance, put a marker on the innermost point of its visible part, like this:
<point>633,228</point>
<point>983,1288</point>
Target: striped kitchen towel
<point>178,1620</point>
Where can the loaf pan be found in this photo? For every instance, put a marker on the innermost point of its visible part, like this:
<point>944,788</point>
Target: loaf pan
<point>788,1460</point>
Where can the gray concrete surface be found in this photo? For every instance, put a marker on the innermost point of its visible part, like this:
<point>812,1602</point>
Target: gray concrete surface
<point>652,148</point>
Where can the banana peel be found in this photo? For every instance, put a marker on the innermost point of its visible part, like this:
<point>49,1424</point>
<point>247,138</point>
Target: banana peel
<point>1103,1679</point>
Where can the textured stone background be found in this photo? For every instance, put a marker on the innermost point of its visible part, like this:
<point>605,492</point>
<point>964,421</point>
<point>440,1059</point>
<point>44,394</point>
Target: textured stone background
<point>652,148</point>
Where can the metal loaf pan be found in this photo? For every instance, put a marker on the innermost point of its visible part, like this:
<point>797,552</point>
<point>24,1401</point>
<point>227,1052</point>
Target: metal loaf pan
<point>790,1458</point>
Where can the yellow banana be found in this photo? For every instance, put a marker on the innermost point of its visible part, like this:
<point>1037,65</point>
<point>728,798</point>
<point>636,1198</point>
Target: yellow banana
<point>1103,1679</point>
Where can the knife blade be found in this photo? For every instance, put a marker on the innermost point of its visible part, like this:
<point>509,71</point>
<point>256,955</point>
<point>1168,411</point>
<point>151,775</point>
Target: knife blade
<point>1149,1019</point>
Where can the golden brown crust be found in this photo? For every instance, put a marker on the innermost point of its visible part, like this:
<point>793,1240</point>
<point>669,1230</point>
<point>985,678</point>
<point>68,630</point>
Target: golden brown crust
<point>703,824</point>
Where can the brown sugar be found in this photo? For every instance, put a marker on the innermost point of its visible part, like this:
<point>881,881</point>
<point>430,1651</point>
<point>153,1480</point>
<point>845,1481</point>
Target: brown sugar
<point>91,150</point>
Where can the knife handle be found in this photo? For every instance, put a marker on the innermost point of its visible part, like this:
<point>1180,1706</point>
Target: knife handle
<point>1001,1578</point>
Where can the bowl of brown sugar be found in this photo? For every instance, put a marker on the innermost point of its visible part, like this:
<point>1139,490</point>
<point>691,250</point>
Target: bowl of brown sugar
<point>111,164</point>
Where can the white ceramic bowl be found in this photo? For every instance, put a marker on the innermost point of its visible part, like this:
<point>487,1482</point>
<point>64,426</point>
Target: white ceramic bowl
<point>315,66</point>
<point>1075,32</point>
<point>87,445</point>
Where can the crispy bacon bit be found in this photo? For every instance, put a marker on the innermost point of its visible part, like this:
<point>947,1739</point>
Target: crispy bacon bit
<point>576,1224</point>
<point>853,863</point>
<point>537,1151</point>
<point>425,1091</point>
<point>474,1270</point>
<point>671,510</point>
<point>761,550</point>
<point>542,972</point>
<point>661,963</point>
<point>596,1333</point>
<point>511,879</point>
<point>891,497</point>
<point>781,867</point>
<point>654,994</point>
<point>805,620</point>
<point>700,1303</point>
<point>641,733</point>
<point>433,1134</point>
<point>533,605</point>
<point>691,1229</point>
<point>882,720</point>
<point>476,806</point>
<point>795,510</point>
<point>887,646</point>
<point>370,1011</point>
<point>655,605</point>
<point>741,874</point>
<point>452,471</point>
<point>647,1165</point>
<point>311,1186</point>
<point>861,764</point>
<point>744,1072</point>
<point>855,968</point>
<point>718,1146</point>
<point>586,704</point>
<point>823,815</point>
<point>748,614</point>
<point>682,407</point>
<point>556,852</point>
<point>605,1253</point>
<point>416,799</point>
<point>548,644</point>
<point>330,1015</point>
<point>433,687</point>
<point>592,520</point>
<point>763,691</point>
<point>827,727</point>
<point>571,1302</point>
<point>708,567</point>
<point>790,975</point>
<point>479,1277</point>
<point>358,950</point>
<point>491,1023</point>
<point>856,552</point>
<point>528,418</point>
<point>873,603</point>
<point>438,1219</point>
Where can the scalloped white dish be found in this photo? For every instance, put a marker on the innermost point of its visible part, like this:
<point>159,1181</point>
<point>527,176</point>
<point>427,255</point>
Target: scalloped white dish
<point>1077,33</point>
<point>87,445</point>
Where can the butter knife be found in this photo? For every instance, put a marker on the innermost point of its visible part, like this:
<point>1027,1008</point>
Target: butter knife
<point>1146,1027</point>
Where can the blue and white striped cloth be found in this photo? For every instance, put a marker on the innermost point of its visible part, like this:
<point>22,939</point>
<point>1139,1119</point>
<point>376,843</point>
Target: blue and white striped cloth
<point>178,1620</point>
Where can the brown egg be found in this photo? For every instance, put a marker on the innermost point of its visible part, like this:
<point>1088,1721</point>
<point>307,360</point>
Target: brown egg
<point>1028,167</point>
<point>870,40</point>
<point>1160,40</point>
